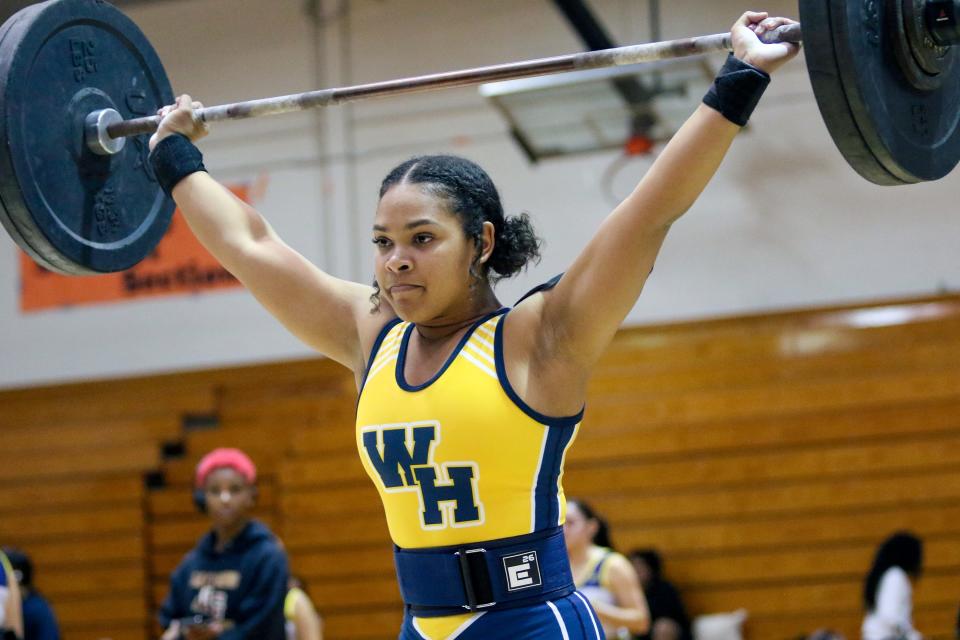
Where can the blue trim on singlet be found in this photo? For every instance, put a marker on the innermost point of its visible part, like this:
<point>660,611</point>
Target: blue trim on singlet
<point>546,494</point>
<point>547,499</point>
<point>404,343</point>
<point>550,421</point>
<point>373,352</point>
<point>546,286</point>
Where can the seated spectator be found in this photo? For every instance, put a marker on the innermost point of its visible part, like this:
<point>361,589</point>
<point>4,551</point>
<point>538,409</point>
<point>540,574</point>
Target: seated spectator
<point>39,623</point>
<point>887,590</point>
<point>602,575</point>
<point>11,623</point>
<point>232,585</point>
<point>303,622</point>
<point>668,616</point>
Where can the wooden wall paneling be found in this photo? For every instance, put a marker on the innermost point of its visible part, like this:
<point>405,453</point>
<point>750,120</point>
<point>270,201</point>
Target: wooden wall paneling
<point>90,524</point>
<point>607,435</point>
<point>78,434</point>
<point>674,377</point>
<point>809,395</point>
<point>92,491</point>
<point>791,564</point>
<point>106,459</point>
<point>843,460</point>
<point>790,530</point>
<point>79,552</point>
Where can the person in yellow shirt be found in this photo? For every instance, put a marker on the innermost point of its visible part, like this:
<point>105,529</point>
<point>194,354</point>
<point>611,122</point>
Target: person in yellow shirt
<point>605,577</point>
<point>467,408</point>
<point>302,620</point>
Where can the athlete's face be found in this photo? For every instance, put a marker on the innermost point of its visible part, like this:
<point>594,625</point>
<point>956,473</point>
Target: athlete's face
<point>578,530</point>
<point>229,497</point>
<point>423,256</point>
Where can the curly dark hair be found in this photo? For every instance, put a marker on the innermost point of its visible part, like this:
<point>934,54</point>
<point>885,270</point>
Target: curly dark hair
<point>469,193</point>
<point>903,549</point>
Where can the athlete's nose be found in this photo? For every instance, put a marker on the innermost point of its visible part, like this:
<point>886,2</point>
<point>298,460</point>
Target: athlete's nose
<point>397,263</point>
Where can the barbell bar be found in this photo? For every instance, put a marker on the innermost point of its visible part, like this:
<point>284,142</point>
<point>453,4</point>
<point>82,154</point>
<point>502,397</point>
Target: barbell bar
<point>618,57</point>
<point>80,86</point>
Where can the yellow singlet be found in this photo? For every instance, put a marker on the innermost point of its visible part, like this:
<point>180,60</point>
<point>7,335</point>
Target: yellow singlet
<point>460,458</point>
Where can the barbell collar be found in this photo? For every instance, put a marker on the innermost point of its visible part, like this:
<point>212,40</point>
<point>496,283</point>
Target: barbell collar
<point>96,126</point>
<point>620,56</point>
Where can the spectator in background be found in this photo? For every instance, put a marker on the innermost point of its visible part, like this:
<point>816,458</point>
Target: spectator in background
<point>823,634</point>
<point>11,623</point>
<point>232,585</point>
<point>602,575</point>
<point>668,616</point>
<point>887,590</point>
<point>303,622</point>
<point>39,623</point>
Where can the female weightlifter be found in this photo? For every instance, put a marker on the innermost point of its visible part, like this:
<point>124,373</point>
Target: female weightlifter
<point>466,407</point>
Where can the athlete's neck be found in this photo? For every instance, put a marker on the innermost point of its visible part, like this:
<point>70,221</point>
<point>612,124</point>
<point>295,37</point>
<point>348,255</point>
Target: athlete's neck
<point>483,303</point>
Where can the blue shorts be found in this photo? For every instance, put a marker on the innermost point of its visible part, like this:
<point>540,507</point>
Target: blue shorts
<point>569,618</point>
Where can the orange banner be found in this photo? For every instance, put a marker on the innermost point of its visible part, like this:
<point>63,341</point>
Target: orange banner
<point>179,265</point>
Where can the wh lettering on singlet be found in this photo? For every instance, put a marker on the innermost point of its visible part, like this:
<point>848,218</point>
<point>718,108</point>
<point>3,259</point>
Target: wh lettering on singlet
<point>403,457</point>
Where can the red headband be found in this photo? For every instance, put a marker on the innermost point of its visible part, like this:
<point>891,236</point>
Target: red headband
<point>230,458</point>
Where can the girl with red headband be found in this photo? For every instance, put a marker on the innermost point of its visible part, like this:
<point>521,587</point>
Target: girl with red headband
<point>232,585</point>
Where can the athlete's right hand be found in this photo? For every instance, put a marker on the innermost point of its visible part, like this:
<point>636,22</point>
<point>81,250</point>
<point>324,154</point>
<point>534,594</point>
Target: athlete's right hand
<point>180,118</point>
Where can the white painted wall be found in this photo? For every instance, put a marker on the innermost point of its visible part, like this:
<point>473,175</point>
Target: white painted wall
<point>785,224</point>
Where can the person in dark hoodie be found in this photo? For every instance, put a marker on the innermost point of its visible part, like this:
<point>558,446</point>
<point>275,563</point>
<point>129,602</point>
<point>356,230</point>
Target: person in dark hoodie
<point>231,586</point>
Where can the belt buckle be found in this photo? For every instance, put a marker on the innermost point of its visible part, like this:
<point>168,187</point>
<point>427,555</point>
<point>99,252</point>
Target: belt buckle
<point>467,576</point>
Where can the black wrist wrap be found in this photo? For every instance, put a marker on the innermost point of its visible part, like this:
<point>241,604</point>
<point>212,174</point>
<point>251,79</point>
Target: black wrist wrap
<point>173,159</point>
<point>737,89</point>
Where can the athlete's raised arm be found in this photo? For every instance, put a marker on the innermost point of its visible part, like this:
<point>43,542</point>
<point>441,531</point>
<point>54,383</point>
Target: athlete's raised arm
<point>333,316</point>
<point>585,309</point>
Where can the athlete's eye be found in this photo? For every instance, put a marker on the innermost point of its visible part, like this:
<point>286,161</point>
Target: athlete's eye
<point>422,238</point>
<point>381,241</point>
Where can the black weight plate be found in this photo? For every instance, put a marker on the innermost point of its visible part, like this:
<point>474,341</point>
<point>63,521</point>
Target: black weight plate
<point>4,219</point>
<point>72,210</point>
<point>888,130</point>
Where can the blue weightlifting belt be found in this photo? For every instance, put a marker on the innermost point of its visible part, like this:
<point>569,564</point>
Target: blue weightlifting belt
<point>484,576</point>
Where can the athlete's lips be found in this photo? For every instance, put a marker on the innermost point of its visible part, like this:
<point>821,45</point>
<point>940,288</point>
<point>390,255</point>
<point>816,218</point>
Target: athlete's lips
<point>402,288</point>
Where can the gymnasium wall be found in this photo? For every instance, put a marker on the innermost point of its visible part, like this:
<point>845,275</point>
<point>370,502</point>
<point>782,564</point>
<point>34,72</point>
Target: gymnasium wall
<point>765,455</point>
<point>785,224</point>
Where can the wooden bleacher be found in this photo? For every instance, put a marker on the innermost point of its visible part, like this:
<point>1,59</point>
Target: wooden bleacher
<point>765,456</point>
<point>73,496</point>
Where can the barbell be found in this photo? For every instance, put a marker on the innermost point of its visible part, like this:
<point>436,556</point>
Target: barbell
<point>80,86</point>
